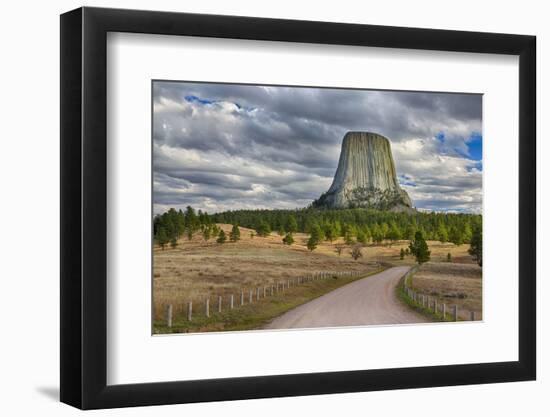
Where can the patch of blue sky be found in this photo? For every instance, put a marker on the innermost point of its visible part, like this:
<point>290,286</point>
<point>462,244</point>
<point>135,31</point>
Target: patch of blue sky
<point>474,143</point>
<point>475,146</point>
<point>406,180</point>
<point>195,99</point>
<point>205,102</point>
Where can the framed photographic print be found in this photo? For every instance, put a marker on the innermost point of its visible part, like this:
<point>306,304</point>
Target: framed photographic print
<point>258,208</point>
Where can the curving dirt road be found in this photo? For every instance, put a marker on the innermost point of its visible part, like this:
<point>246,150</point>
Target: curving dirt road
<point>371,300</point>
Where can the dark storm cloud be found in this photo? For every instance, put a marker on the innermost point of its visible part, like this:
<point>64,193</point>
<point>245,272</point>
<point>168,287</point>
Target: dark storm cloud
<point>222,146</point>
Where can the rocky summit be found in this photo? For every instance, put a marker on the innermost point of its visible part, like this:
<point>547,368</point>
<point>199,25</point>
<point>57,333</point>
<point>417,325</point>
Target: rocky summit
<point>365,176</point>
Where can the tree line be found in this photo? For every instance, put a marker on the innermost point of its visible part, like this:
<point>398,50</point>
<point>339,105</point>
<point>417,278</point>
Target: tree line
<point>353,225</point>
<point>358,224</point>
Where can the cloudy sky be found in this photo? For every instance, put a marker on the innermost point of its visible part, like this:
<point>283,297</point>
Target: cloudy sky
<point>221,147</point>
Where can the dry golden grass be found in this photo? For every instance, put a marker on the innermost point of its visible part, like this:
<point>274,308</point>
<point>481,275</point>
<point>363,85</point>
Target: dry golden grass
<point>452,284</point>
<point>196,269</point>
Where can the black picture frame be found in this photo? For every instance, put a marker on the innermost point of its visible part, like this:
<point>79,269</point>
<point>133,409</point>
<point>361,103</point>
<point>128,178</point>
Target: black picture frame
<point>84,207</point>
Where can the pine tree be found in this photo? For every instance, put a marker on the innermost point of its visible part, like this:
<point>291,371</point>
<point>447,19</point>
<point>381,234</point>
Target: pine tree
<point>215,230</point>
<point>466,233</point>
<point>189,232</point>
<point>362,237</point>
<point>191,221</point>
<point>419,248</point>
<point>377,236</point>
<point>314,238</point>
<point>206,233</point>
<point>221,238</point>
<point>476,245</point>
<point>410,232</point>
<point>348,238</point>
<point>442,234</point>
<point>331,233</point>
<point>180,223</point>
<point>263,229</point>
<point>385,230</point>
<point>162,237</point>
<point>291,225</point>
<point>394,233</point>
<point>455,236</point>
<point>235,233</point>
<point>288,239</point>
<point>173,242</point>
<point>367,233</point>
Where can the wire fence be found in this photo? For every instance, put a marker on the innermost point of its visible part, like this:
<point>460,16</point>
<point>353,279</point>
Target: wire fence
<point>205,307</point>
<point>432,304</point>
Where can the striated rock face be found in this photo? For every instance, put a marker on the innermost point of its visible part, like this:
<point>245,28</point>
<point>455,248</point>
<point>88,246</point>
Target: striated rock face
<point>365,176</point>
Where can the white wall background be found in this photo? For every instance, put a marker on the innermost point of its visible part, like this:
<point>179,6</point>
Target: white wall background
<point>29,213</point>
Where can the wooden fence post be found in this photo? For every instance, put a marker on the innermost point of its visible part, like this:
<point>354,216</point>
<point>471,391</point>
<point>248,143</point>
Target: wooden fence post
<point>190,310</point>
<point>242,297</point>
<point>231,302</point>
<point>456,312</point>
<point>219,304</point>
<point>265,291</point>
<point>258,293</point>
<point>444,307</point>
<point>169,315</point>
<point>207,307</point>
<point>435,306</point>
<point>250,297</point>
<point>472,315</point>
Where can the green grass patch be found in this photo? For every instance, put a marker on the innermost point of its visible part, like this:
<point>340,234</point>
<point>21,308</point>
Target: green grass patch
<point>260,312</point>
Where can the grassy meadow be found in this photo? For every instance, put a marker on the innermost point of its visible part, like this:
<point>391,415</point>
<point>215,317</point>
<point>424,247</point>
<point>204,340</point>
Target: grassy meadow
<point>453,284</point>
<point>197,269</point>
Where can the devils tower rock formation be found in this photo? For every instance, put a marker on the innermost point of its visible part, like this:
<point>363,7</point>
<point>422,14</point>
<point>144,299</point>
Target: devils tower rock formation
<point>365,176</point>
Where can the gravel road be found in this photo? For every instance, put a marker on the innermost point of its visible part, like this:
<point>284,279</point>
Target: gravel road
<point>369,301</point>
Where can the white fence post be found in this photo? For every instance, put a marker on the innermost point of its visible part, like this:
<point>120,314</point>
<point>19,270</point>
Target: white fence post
<point>242,297</point>
<point>456,312</point>
<point>444,307</point>
<point>190,310</point>
<point>219,304</point>
<point>231,302</point>
<point>207,307</point>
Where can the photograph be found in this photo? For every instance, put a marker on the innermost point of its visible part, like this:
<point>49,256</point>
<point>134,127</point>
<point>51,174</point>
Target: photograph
<point>292,207</point>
